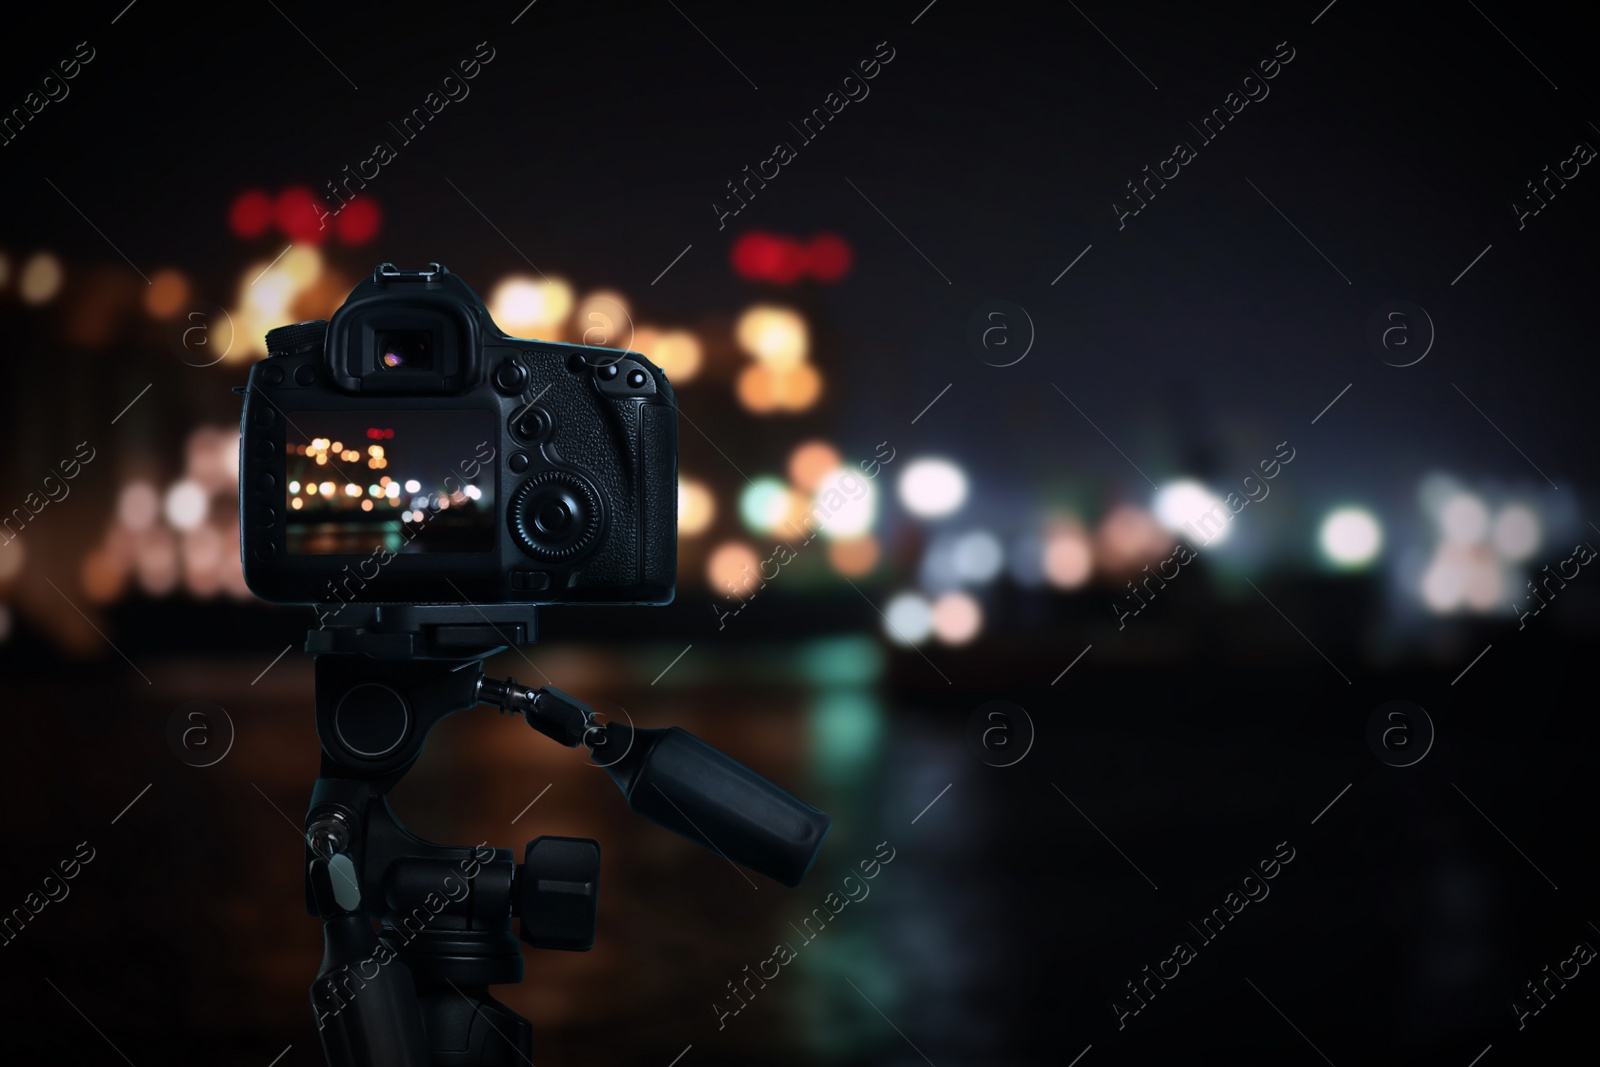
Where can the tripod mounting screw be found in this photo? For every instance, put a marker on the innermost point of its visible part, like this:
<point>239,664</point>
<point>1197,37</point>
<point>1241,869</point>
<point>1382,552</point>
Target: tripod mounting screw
<point>558,892</point>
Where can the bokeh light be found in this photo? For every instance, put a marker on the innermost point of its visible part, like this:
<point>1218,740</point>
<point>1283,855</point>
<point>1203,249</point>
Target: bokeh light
<point>764,504</point>
<point>138,505</point>
<point>733,570</point>
<point>977,557</point>
<point>602,320</point>
<point>1068,558</point>
<point>1516,533</point>
<point>1464,520</point>
<point>186,505</point>
<point>908,619</point>
<point>1128,538</point>
<point>166,294</point>
<point>847,503</point>
<point>677,353</point>
<point>250,214</point>
<point>1189,506</point>
<point>932,488</point>
<point>957,618</point>
<point>1350,537</point>
<point>41,278</point>
<point>854,557</point>
<point>525,307</point>
<point>776,336</point>
<point>696,508</point>
<point>811,462</point>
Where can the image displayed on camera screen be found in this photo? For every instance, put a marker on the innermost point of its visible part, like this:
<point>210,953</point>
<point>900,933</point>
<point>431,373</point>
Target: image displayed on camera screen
<point>403,481</point>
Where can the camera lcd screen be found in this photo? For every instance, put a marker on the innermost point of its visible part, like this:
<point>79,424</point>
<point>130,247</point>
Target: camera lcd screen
<point>403,481</point>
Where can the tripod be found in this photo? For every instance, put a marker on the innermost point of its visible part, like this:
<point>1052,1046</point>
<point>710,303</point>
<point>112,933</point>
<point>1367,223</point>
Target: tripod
<point>414,993</point>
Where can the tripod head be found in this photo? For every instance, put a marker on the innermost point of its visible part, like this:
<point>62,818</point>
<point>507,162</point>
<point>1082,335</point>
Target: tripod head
<point>415,993</point>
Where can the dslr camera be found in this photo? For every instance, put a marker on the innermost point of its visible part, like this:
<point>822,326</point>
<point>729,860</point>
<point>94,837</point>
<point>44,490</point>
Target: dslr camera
<point>410,452</point>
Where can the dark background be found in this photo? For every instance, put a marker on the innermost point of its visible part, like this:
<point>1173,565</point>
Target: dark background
<point>1213,726</point>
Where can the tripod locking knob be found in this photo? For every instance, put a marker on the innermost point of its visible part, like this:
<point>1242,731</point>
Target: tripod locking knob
<point>558,891</point>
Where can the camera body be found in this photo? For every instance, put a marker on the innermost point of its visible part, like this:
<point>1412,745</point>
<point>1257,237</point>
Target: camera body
<point>409,452</point>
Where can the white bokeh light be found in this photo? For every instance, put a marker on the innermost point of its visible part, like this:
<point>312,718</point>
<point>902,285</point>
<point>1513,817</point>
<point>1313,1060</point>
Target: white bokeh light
<point>1351,537</point>
<point>1516,533</point>
<point>1464,520</point>
<point>977,557</point>
<point>186,505</point>
<point>908,619</point>
<point>846,503</point>
<point>932,488</point>
<point>1190,504</point>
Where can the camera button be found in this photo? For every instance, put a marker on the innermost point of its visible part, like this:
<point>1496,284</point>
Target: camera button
<point>267,516</point>
<point>510,377</point>
<point>529,581</point>
<point>518,462</point>
<point>266,550</point>
<point>266,482</point>
<point>306,374</point>
<point>636,378</point>
<point>261,415</point>
<point>607,372</point>
<point>271,375</point>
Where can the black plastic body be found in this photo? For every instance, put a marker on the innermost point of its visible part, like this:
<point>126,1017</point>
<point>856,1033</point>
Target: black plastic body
<point>597,427</point>
<point>676,780</point>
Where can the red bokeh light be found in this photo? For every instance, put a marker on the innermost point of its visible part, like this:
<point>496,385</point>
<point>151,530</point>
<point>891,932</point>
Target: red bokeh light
<point>767,257</point>
<point>830,257</point>
<point>250,214</point>
<point>755,255</point>
<point>297,213</point>
<point>359,221</point>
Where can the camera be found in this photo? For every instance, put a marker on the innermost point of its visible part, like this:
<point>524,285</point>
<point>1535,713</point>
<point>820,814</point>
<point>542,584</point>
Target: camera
<point>410,452</point>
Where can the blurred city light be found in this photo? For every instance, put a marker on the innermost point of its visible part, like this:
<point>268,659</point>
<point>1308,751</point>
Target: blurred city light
<point>957,618</point>
<point>186,505</point>
<point>854,557</point>
<point>977,557</point>
<point>1190,504</point>
<point>758,389</point>
<point>1464,519</point>
<point>298,215</point>
<point>774,335</point>
<point>1516,533</point>
<point>527,307</point>
<point>1068,558</point>
<point>138,505</point>
<point>696,507</point>
<point>1129,538</point>
<point>166,294</point>
<point>250,214</point>
<point>1444,583</point>
<point>676,352</point>
<point>41,278</point>
<point>1350,537</point>
<point>908,619</point>
<point>847,503</point>
<point>733,570</point>
<point>358,221</point>
<point>764,504</point>
<point>933,487</point>
<point>12,555</point>
<point>810,463</point>
<point>603,320</point>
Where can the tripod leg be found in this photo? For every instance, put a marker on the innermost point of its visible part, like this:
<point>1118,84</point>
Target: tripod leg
<point>469,1028</point>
